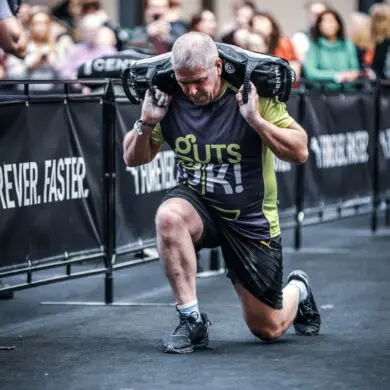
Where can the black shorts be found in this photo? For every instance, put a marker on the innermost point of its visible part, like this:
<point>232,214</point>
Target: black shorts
<point>256,265</point>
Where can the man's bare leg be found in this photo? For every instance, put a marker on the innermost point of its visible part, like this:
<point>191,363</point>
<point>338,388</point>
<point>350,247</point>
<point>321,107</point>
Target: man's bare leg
<point>269,324</point>
<point>178,226</point>
<point>264,321</point>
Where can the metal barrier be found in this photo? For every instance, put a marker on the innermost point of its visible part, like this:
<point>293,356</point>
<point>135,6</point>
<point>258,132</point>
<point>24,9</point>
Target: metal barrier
<point>295,218</point>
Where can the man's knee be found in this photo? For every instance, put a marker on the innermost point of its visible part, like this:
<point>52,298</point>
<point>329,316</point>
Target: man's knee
<point>269,330</point>
<point>266,334</point>
<point>168,222</point>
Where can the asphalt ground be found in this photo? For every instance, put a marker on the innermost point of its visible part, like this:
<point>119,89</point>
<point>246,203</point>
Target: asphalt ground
<point>65,338</point>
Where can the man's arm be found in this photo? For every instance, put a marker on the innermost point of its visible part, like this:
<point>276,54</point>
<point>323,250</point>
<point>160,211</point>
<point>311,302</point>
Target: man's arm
<point>12,36</point>
<point>139,149</point>
<point>288,143</point>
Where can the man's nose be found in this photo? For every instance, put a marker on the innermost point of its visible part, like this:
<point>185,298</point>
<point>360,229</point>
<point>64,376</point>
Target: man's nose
<point>192,90</point>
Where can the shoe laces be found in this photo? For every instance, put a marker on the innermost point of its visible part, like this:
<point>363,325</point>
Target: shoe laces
<point>186,325</point>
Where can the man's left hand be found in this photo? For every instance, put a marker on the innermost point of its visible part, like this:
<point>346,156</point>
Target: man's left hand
<point>249,110</point>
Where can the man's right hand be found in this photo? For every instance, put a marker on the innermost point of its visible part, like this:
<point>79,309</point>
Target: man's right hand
<point>154,108</point>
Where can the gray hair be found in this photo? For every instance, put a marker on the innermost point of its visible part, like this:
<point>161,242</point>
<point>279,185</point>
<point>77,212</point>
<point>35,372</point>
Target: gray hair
<point>194,50</point>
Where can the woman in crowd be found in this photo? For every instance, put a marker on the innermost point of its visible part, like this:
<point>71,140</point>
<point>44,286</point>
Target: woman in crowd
<point>204,22</point>
<point>361,37</point>
<point>243,11</point>
<point>279,45</point>
<point>380,31</point>
<point>331,57</point>
<point>41,58</point>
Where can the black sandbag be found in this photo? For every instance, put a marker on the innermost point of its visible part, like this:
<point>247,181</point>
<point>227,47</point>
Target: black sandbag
<point>110,66</point>
<point>272,76</point>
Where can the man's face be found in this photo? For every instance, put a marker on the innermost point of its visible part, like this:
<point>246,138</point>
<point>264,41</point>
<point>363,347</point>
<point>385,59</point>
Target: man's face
<point>315,10</point>
<point>157,8</point>
<point>201,85</point>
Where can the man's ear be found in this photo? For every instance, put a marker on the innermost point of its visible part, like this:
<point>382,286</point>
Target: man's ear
<point>219,65</point>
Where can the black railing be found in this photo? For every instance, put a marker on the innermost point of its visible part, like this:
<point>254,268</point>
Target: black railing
<point>295,218</point>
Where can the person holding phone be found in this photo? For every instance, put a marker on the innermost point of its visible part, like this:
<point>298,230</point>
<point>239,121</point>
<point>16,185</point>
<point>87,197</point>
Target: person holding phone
<point>158,33</point>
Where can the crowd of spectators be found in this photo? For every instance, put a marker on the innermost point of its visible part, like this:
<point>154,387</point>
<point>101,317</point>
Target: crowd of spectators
<point>60,40</point>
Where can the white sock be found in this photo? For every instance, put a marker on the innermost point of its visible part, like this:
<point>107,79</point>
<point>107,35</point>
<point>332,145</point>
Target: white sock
<point>303,293</point>
<point>190,309</point>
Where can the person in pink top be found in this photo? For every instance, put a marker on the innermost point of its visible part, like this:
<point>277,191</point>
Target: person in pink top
<point>87,49</point>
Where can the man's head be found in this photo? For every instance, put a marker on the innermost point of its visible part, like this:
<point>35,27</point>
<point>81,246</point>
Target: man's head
<point>155,10</point>
<point>89,28</point>
<point>197,67</point>
<point>314,9</point>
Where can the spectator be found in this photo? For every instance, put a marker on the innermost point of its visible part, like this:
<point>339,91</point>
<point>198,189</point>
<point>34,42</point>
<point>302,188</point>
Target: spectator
<point>158,34</point>
<point>361,37</point>
<point>204,22</point>
<point>174,14</point>
<point>41,58</point>
<point>380,31</point>
<point>331,57</point>
<point>12,36</point>
<point>257,43</point>
<point>301,39</point>
<point>24,16</point>
<point>243,11</point>
<point>88,49</point>
<point>106,34</point>
<point>279,45</point>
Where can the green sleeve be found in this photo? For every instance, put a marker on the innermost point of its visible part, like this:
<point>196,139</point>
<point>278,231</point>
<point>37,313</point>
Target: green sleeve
<point>311,68</point>
<point>157,136</point>
<point>275,112</point>
<point>353,56</point>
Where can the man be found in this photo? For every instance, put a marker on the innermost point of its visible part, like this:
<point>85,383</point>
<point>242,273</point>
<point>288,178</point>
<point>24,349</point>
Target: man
<point>226,196</point>
<point>12,36</point>
<point>13,41</point>
<point>159,32</point>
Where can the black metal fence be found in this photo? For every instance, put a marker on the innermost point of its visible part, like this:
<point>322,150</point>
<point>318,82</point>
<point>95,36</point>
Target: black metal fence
<point>112,211</point>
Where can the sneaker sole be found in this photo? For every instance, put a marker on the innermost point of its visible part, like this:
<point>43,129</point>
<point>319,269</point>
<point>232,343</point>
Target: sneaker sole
<point>172,349</point>
<point>300,330</point>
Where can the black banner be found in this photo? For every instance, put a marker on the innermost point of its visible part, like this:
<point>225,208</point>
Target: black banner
<point>51,171</point>
<point>140,189</point>
<point>384,144</point>
<point>340,146</point>
<point>50,192</point>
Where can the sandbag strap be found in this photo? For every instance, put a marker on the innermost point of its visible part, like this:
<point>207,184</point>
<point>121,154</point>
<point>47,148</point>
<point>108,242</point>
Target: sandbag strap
<point>125,84</point>
<point>250,67</point>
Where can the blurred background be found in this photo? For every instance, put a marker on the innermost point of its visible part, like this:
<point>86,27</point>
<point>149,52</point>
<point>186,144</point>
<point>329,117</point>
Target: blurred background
<point>332,41</point>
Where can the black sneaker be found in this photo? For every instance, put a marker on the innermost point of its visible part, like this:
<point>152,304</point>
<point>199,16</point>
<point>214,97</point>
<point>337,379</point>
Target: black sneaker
<point>188,335</point>
<point>308,320</point>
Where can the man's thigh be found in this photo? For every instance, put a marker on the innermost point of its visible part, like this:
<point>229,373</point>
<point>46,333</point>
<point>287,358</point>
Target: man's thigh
<point>197,213</point>
<point>256,270</point>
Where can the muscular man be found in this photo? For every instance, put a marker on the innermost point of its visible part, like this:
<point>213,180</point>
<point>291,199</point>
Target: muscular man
<point>12,36</point>
<point>226,194</point>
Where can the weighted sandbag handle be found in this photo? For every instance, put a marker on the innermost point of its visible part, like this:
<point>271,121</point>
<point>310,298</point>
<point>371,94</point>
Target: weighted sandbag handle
<point>250,67</point>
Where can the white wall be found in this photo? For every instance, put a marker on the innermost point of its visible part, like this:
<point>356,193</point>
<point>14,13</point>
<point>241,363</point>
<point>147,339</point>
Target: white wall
<point>289,13</point>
